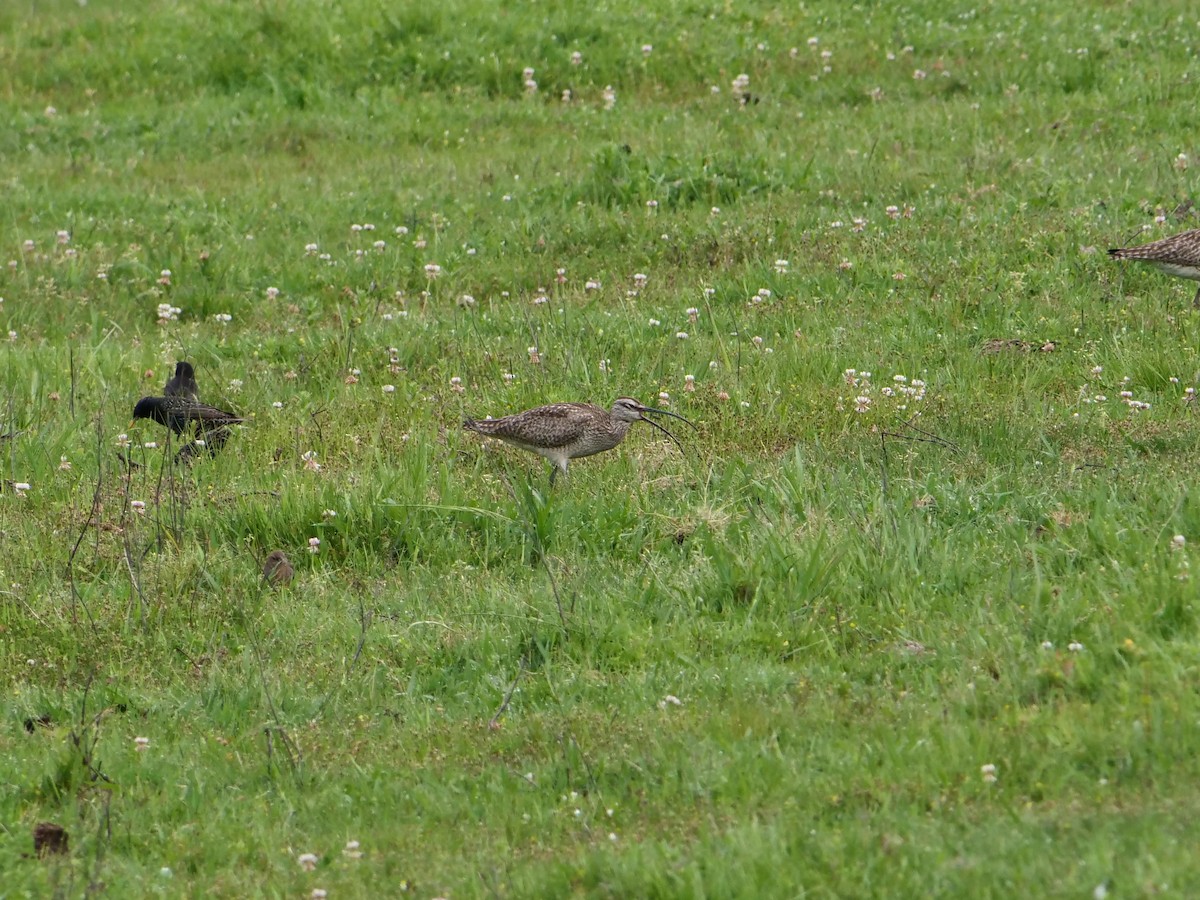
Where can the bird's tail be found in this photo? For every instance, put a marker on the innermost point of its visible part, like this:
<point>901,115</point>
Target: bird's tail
<point>486,427</point>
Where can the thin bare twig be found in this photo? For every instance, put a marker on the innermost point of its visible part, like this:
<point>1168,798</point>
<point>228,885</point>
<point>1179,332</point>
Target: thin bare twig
<point>93,515</point>
<point>495,720</point>
<point>531,529</point>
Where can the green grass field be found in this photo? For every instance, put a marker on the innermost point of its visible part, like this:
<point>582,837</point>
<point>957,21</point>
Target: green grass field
<point>927,631</point>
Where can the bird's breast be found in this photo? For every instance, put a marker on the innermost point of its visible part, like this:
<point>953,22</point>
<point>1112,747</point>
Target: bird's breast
<point>1178,270</point>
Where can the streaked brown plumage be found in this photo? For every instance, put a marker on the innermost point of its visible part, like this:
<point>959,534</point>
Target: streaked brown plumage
<point>1178,255</point>
<point>277,570</point>
<point>183,383</point>
<point>561,432</point>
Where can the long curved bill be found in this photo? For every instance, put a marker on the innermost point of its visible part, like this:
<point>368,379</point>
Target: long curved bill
<point>663,412</point>
<point>649,421</point>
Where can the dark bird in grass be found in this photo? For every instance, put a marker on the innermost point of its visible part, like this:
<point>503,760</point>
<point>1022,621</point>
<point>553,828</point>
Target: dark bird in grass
<point>562,432</point>
<point>209,424</point>
<point>1178,255</point>
<point>49,839</point>
<point>182,383</point>
<point>277,570</point>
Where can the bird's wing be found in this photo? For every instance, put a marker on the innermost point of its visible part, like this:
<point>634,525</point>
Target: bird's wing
<point>547,427</point>
<point>1180,248</point>
<point>211,415</point>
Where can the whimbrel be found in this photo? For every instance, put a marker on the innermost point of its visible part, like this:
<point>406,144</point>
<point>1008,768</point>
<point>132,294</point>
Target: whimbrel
<point>180,413</point>
<point>562,432</point>
<point>1177,255</point>
<point>183,384</point>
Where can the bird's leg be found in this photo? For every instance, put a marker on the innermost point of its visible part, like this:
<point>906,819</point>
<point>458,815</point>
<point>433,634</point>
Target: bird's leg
<point>553,474</point>
<point>1196,300</point>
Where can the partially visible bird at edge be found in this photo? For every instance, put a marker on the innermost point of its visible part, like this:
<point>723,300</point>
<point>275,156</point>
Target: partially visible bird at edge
<point>562,432</point>
<point>1178,255</point>
<point>182,383</point>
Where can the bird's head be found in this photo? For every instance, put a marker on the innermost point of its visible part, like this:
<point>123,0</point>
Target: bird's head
<point>151,408</point>
<point>626,409</point>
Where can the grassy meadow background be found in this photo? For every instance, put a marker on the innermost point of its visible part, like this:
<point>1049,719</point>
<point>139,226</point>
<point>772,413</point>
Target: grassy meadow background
<point>929,631</point>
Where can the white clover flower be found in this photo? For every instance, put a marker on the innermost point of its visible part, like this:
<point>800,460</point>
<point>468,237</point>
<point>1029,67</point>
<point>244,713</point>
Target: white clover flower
<point>389,389</point>
<point>314,545</point>
<point>988,771</point>
<point>432,270</point>
<point>1178,542</point>
<point>681,335</point>
<point>307,861</point>
<point>1047,645</point>
<point>141,744</point>
<point>1075,646</point>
